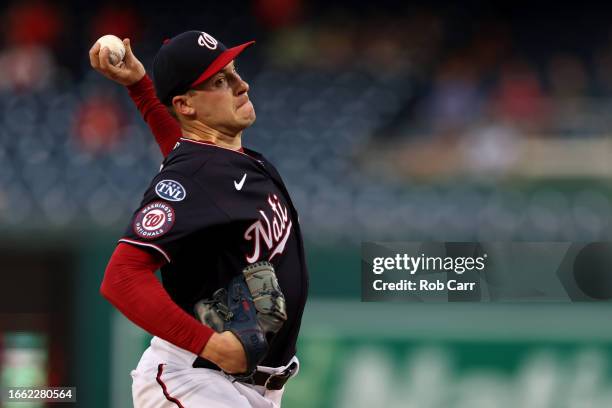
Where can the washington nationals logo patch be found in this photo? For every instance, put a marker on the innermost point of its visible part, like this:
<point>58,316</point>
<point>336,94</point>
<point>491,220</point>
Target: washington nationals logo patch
<point>170,190</point>
<point>154,220</point>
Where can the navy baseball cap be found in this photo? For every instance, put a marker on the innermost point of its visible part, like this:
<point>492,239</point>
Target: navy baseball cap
<point>187,60</point>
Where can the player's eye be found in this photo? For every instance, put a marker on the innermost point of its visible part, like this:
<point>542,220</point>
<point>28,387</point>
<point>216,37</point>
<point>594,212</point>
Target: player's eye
<point>220,82</point>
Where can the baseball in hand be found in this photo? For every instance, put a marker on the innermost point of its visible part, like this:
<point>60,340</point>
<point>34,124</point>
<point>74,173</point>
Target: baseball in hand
<point>115,46</point>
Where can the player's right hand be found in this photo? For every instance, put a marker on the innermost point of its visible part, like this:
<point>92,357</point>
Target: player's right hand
<point>127,72</point>
<point>226,351</point>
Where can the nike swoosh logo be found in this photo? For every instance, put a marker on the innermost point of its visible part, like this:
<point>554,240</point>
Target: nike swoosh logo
<point>239,185</point>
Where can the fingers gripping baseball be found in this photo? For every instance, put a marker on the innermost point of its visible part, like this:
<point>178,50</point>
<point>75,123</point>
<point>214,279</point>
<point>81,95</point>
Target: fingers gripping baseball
<point>127,72</point>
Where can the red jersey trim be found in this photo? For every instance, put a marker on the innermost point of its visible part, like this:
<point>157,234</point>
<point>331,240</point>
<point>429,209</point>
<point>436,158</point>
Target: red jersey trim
<point>160,370</point>
<point>138,243</point>
<point>211,144</point>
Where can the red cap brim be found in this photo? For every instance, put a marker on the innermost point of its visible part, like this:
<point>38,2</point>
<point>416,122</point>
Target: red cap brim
<point>222,60</point>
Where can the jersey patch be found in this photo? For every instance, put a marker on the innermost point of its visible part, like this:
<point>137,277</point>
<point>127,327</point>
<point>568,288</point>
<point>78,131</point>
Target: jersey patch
<point>154,220</point>
<point>170,190</point>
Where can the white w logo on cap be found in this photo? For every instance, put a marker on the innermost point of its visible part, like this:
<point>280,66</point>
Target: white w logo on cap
<point>207,40</point>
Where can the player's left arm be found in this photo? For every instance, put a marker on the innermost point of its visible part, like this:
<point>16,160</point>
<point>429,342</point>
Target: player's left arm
<point>132,74</point>
<point>131,286</point>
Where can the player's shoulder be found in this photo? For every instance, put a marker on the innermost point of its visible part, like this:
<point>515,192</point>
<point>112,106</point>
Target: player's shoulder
<point>200,163</point>
<point>185,159</point>
<point>263,161</point>
<point>208,164</point>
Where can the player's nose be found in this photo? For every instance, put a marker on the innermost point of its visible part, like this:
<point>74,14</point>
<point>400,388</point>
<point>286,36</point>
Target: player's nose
<point>242,87</point>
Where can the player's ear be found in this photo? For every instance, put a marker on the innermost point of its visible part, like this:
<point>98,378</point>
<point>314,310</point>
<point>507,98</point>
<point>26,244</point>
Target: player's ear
<point>182,104</point>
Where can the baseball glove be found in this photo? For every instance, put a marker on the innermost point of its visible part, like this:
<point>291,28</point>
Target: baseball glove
<point>233,309</point>
<point>267,297</point>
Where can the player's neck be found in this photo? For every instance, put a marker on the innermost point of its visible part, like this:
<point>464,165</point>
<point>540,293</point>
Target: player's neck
<point>205,133</point>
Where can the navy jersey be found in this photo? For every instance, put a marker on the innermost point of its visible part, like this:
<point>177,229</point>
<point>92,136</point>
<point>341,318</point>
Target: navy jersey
<point>212,211</point>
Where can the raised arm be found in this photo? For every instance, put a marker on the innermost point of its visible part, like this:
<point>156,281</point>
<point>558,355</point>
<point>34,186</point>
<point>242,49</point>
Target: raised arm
<point>163,126</point>
<point>131,73</point>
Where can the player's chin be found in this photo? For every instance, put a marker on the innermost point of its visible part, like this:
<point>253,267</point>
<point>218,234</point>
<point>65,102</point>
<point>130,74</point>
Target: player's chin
<point>248,122</point>
<point>246,116</point>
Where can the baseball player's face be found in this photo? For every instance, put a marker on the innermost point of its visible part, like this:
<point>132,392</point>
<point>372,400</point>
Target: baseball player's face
<point>222,102</point>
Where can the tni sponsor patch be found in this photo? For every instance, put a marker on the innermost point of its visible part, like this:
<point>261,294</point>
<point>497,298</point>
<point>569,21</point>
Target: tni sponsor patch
<point>170,190</point>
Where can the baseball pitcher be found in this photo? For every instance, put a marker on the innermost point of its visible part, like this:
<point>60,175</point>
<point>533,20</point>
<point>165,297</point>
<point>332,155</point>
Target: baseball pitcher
<point>219,222</point>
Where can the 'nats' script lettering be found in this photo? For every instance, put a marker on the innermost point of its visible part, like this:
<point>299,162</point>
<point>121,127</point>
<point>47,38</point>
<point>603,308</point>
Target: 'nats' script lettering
<point>273,234</point>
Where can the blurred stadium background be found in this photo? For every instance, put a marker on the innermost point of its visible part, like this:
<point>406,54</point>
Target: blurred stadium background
<point>454,121</point>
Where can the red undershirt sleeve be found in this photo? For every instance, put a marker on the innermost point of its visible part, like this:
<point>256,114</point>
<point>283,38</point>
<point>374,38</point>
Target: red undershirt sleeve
<point>131,286</point>
<point>163,126</point>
